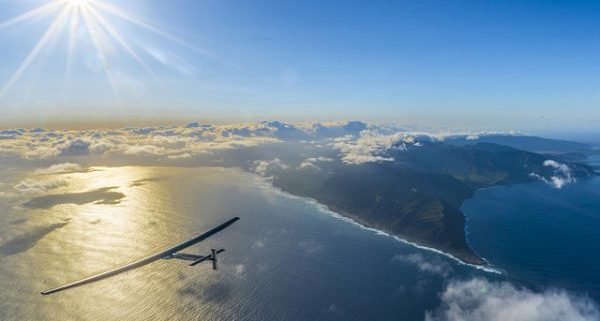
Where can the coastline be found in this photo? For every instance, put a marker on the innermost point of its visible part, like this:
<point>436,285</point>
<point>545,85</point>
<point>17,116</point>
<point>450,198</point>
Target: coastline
<point>266,184</point>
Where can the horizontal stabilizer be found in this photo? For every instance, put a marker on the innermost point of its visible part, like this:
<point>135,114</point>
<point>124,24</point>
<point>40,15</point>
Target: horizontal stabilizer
<point>201,260</point>
<point>211,257</point>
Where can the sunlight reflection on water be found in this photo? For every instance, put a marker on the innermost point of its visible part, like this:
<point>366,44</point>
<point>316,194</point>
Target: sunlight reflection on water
<point>93,236</point>
<point>284,260</point>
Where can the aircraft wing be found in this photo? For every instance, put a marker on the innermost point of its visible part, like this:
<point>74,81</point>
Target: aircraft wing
<point>147,260</point>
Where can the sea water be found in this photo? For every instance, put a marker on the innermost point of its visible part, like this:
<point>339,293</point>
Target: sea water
<point>540,235</point>
<point>286,259</point>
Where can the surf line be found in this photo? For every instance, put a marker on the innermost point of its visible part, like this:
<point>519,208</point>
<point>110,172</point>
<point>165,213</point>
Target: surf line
<point>266,185</point>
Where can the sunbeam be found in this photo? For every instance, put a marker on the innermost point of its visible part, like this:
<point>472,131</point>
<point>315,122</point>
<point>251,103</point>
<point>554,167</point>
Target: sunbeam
<point>117,36</point>
<point>94,30</point>
<point>92,16</point>
<point>74,24</point>
<point>34,13</point>
<point>111,9</point>
<point>54,26</point>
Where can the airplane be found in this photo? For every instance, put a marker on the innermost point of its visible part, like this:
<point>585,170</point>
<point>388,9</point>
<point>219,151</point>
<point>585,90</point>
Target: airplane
<point>168,254</point>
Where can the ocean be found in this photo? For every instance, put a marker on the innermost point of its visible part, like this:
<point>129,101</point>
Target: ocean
<point>286,259</point>
<point>539,235</point>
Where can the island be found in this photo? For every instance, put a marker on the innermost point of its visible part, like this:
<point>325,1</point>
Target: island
<point>417,192</point>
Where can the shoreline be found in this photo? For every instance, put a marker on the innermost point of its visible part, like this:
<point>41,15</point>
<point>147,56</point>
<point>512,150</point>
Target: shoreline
<point>265,184</point>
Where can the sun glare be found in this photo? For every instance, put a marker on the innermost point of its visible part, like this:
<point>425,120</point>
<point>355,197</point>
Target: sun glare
<point>76,3</point>
<point>95,17</point>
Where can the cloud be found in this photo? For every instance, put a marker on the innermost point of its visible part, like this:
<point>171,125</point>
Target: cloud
<point>477,135</point>
<point>562,174</point>
<point>10,134</point>
<point>144,150</point>
<point>151,143</point>
<point>37,186</point>
<point>310,166</point>
<point>4,194</point>
<point>77,146</point>
<point>264,167</point>
<point>164,143</point>
<point>479,299</point>
<point>371,146</point>
<point>195,143</point>
<point>433,266</point>
<point>180,156</point>
<point>63,168</point>
<point>311,163</point>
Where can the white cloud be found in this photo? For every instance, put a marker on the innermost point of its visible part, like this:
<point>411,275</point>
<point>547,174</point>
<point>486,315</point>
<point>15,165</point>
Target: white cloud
<point>180,156</point>
<point>144,150</point>
<point>59,169</point>
<point>36,186</point>
<point>472,137</point>
<point>561,177</point>
<point>309,166</point>
<point>319,159</point>
<point>153,143</point>
<point>433,266</point>
<point>357,142</point>
<point>263,167</point>
<point>476,135</point>
<point>371,145</point>
<point>310,163</point>
<point>479,299</point>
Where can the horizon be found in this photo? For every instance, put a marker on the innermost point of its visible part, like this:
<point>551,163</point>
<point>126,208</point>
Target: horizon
<point>589,136</point>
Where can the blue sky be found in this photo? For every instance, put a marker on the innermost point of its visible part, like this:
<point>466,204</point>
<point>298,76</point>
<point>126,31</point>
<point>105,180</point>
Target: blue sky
<point>458,64</point>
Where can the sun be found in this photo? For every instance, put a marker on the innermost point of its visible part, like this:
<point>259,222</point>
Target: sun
<point>96,17</point>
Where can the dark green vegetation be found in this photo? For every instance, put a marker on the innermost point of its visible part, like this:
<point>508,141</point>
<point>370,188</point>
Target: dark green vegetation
<point>418,195</point>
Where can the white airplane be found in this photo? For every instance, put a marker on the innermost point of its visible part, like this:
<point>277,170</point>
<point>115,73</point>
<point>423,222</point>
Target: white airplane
<point>170,253</point>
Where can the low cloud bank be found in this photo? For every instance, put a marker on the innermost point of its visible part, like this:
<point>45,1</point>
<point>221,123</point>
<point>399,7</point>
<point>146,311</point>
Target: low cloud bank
<point>168,142</point>
<point>355,141</point>
<point>479,299</point>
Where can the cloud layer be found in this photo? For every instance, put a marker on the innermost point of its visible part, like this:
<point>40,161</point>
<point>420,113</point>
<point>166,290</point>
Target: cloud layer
<point>168,142</point>
<point>356,142</point>
<point>479,299</point>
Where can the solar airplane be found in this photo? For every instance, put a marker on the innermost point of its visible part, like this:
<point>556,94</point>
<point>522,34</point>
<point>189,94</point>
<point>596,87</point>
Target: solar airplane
<point>170,253</point>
